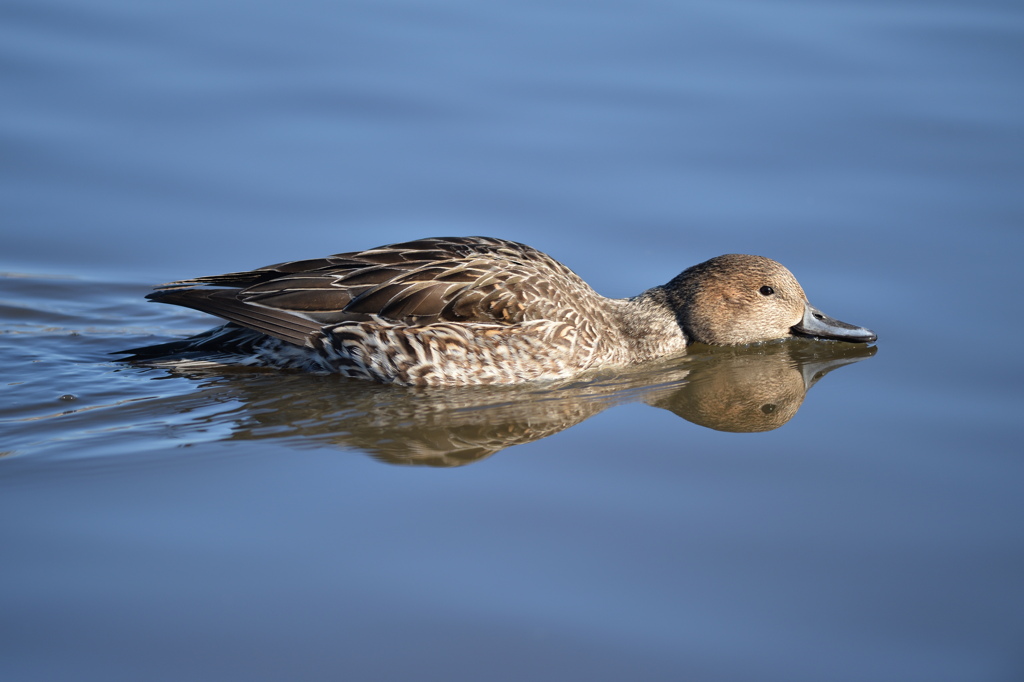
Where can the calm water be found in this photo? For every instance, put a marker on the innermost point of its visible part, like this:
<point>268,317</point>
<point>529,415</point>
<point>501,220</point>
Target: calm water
<point>704,518</point>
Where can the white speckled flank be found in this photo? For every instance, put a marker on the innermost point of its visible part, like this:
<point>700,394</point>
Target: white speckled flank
<point>477,310</point>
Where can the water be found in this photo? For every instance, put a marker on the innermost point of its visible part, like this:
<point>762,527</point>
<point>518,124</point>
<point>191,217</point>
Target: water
<point>258,525</point>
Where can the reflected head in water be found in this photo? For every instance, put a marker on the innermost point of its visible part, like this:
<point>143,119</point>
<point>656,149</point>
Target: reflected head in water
<point>756,389</point>
<point>740,389</point>
<point>476,310</point>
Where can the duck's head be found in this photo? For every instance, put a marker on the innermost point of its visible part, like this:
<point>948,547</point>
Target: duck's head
<point>737,299</point>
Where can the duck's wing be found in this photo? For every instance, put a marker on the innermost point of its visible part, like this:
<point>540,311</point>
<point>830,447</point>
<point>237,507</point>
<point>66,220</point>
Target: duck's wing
<point>454,279</point>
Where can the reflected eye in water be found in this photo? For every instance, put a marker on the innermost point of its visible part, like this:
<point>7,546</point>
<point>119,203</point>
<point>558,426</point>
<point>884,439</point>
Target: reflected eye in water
<point>751,389</point>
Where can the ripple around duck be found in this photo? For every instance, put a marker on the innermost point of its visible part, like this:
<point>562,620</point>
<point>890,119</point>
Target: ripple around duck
<point>63,387</point>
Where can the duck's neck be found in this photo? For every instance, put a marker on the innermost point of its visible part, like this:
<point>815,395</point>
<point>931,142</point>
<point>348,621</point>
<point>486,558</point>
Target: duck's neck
<point>649,326</point>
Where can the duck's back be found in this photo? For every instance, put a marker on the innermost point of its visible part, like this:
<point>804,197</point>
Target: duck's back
<point>473,309</point>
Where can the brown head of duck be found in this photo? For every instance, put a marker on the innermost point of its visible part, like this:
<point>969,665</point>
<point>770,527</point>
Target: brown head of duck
<point>738,299</point>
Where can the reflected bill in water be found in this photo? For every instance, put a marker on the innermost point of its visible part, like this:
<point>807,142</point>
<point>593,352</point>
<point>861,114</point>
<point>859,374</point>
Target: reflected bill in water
<point>749,389</point>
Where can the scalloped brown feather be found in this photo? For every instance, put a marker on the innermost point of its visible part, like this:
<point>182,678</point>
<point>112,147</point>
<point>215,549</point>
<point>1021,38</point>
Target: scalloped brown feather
<point>459,279</point>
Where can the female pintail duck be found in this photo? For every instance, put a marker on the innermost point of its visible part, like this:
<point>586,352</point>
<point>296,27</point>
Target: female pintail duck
<point>477,310</point>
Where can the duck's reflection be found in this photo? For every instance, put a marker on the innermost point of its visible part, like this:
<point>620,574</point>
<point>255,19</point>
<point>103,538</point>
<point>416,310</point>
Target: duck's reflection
<point>728,389</point>
<point>745,391</point>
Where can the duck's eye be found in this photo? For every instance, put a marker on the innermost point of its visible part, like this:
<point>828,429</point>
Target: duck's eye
<point>767,290</point>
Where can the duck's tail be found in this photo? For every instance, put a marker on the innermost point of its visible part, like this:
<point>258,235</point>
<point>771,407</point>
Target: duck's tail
<point>228,339</point>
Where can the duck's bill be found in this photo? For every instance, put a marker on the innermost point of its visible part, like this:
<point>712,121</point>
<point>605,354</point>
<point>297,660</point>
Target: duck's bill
<point>821,326</point>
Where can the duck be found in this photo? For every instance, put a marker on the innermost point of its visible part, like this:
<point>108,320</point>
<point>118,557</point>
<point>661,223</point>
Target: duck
<point>451,311</point>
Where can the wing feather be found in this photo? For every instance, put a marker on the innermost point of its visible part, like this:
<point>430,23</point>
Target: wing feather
<point>222,303</point>
<point>455,279</point>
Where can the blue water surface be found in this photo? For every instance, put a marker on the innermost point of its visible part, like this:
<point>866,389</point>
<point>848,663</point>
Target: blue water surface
<point>165,526</point>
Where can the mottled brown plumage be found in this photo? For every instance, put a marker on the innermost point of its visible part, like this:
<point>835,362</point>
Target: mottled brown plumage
<point>474,310</point>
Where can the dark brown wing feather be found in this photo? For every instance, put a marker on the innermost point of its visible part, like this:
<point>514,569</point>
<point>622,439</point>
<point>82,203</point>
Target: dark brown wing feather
<point>224,303</point>
<point>456,279</point>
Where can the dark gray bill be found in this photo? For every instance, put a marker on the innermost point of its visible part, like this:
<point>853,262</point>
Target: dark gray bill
<point>820,325</point>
